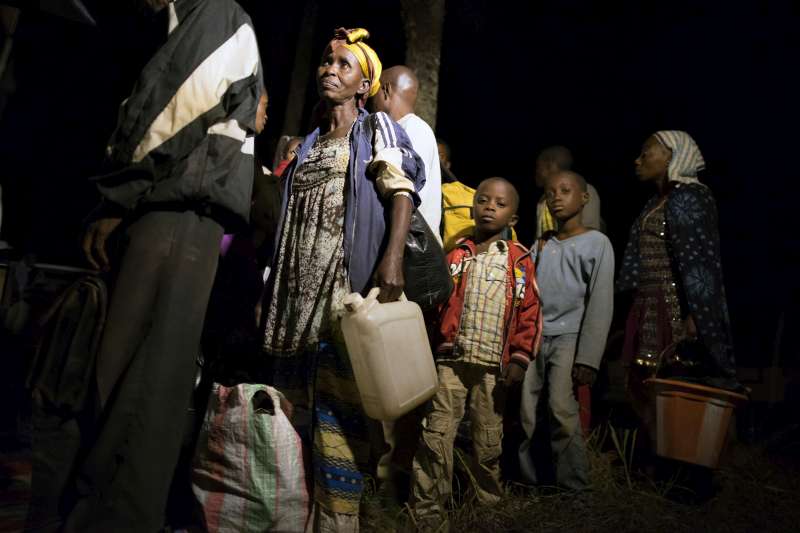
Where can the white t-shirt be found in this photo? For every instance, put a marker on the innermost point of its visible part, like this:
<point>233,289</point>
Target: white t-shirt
<point>424,142</point>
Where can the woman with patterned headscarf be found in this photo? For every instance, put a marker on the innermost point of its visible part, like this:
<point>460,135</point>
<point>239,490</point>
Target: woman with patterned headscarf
<point>348,199</point>
<point>672,263</point>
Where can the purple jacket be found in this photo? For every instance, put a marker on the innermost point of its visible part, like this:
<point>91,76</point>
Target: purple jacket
<point>365,233</point>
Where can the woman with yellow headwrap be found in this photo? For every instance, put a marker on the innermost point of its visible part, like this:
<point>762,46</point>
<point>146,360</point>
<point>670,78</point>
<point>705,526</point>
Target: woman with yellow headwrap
<point>348,195</point>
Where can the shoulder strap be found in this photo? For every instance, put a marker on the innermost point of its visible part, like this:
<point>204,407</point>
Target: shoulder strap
<point>543,240</point>
<point>367,127</point>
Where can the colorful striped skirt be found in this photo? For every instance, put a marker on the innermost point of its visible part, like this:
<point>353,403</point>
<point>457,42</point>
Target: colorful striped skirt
<point>339,429</point>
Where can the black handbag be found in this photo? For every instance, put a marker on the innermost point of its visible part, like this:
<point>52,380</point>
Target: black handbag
<point>428,281</point>
<point>688,359</point>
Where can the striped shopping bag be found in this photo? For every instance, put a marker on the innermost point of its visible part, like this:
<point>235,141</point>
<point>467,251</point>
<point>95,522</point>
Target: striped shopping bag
<point>248,472</point>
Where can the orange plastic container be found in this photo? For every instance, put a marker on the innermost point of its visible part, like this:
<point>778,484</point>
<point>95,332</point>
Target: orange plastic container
<point>692,420</point>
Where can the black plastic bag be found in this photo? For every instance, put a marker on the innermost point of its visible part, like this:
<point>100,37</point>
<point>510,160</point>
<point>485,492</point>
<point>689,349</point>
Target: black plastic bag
<point>427,277</point>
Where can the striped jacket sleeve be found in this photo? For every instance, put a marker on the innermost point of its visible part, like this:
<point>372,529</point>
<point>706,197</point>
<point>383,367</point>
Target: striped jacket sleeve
<point>396,166</point>
<point>203,84</point>
<point>211,84</point>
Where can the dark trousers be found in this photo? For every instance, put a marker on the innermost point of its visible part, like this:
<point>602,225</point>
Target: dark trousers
<point>146,371</point>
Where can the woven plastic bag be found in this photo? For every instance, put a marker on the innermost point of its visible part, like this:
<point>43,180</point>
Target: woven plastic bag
<point>248,472</point>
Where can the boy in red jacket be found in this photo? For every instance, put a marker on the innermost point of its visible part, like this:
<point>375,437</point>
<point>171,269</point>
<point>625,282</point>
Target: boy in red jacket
<point>488,332</point>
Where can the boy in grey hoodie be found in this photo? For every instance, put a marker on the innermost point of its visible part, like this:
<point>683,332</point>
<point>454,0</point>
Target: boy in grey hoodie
<point>575,274</point>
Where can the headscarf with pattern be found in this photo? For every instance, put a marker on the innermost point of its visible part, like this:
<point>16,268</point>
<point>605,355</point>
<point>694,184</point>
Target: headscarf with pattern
<point>353,40</point>
<point>686,160</point>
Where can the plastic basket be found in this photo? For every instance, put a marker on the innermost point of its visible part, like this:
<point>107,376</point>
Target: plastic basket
<point>692,420</point>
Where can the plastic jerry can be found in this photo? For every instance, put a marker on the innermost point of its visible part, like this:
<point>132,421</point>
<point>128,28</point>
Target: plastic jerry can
<point>390,354</point>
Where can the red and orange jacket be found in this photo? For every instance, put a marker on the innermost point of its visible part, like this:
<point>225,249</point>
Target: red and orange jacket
<point>523,313</point>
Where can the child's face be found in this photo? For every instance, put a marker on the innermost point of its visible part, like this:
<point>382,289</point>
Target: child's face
<point>381,101</point>
<point>292,148</point>
<point>261,113</point>
<point>495,207</point>
<point>444,159</point>
<point>564,196</point>
<point>544,169</point>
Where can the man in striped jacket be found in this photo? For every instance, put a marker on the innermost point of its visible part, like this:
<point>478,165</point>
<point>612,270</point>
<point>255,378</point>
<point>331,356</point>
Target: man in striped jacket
<point>181,172</point>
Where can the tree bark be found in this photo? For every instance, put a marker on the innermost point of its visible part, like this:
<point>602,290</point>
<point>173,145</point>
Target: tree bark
<point>292,122</point>
<point>9,16</point>
<point>424,22</point>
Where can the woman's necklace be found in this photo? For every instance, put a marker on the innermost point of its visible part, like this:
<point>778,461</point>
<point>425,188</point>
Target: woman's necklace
<point>656,208</point>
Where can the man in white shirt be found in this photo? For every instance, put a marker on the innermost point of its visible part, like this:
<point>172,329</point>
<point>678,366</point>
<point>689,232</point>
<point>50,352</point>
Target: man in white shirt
<point>397,98</point>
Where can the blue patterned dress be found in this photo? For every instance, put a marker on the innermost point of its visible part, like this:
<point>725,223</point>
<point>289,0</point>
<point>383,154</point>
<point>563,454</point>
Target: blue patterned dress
<point>691,236</point>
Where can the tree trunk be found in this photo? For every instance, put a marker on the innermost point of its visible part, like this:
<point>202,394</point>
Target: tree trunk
<point>9,16</point>
<point>292,123</point>
<point>424,21</point>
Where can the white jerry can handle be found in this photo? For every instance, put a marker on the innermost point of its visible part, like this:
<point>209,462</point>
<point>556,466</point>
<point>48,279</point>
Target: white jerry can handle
<point>374,291</point>
<point>354,300</point>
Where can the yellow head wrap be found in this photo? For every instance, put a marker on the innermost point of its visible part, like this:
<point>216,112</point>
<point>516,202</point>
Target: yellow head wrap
<point>367,58</point>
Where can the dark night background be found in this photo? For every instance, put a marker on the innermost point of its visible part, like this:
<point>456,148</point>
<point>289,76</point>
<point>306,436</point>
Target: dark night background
<point>598,77</point>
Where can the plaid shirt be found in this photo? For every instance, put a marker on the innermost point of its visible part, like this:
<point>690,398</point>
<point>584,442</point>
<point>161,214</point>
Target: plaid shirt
<point>480,338</point>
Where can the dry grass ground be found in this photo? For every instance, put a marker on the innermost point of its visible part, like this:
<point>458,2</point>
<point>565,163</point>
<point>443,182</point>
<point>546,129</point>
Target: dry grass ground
<point>755,489</point>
